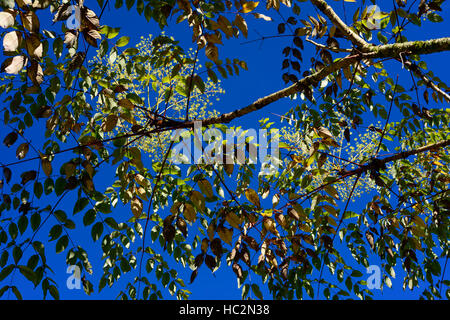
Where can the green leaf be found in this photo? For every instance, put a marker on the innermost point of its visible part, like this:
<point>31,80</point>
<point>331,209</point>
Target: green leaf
<point>80,205</point>
<point>62,244</point>
<point>123,41</point>
<point>17,254</point>
<point>55,232</point>
<point>96,231</point>
<point>16,292</point>
<point>6,271</point>
<point>89,217</point>
<point>54,292</point>
<point>28,273</point>
<point>38,189</point>
<point>257,291</point>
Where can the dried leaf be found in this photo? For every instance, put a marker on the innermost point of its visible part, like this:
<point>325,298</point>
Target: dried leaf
<point>226,234</point>
<point>241,24</point>
<point>253,197</point>
<point>22,151</point>
<point>30,21</point>
<point>206,188</point>
<point>189,212</point>
<point>212,52</point>
<point>136,207</point>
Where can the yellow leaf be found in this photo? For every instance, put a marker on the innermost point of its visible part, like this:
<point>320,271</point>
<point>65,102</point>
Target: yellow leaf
<point>137,207</point>
<point>46,165</point>
<point>225,234</point>
<point>211,230</point>
<point>205,188</point>
<point>141,193</point>
<point>249,6</point>
<point>270,225</point>
<point>253,197</point>
<point>267,213</point>
<point>198,200</point>
<point>241,24</point>
<point>332,192</point>
<point>22,151</point>
<point>189,212</point>
<point>109,123</point>
<point>233,220</point>
<point>140,179</point>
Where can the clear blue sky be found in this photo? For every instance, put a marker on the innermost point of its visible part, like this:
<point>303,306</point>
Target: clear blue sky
<point>264,76</point>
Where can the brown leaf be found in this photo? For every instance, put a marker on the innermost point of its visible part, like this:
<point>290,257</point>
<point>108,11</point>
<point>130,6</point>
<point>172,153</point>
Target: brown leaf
<point>216,247</point>
<point>194,275</point>
<point>7,173</point>
<point>36,75</point>
<point>10,139</point>
<point>212,52</point>
<point>22,151</point>
<point>182,226</point>
<point>91,37</point>
<point>109,123</point>
<point>89,19</point>
<point>34,46</point>
<point>46,165</point>
<point>198,199</point>
<point>253,197</point>
<point>198,261</point>
<point>225,234</point>
<point>137,207</point>
<point>205,188</point>
<point>210,262</point>
<point>189,212</point>
<point>205,244</point>
<point>71,38</point>
<point>28,176</point>
<point>237,269</point>
<point>30,21</point>
<point>241,24</point>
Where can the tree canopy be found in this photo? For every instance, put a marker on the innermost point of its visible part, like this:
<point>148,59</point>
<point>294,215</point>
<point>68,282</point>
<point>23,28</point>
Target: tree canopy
<point>126,141</point>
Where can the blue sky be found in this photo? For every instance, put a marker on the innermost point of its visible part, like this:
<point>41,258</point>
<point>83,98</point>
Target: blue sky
<point>264,76</point>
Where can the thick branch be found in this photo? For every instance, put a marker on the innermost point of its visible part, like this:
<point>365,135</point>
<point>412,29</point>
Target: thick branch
<point>384,51</point>
<point>398,156</point>
<point>414,68</point>
<point>351,35</point>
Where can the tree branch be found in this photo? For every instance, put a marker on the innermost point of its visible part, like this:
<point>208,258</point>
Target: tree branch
<point>376,52</point>
<point>414,68</point>
<point>351,35</point>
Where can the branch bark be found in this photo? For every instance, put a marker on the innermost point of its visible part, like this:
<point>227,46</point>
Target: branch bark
<point>398,156</point>
<point>376,52</point>
<point>414,68</point>
<point>351,35</point>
